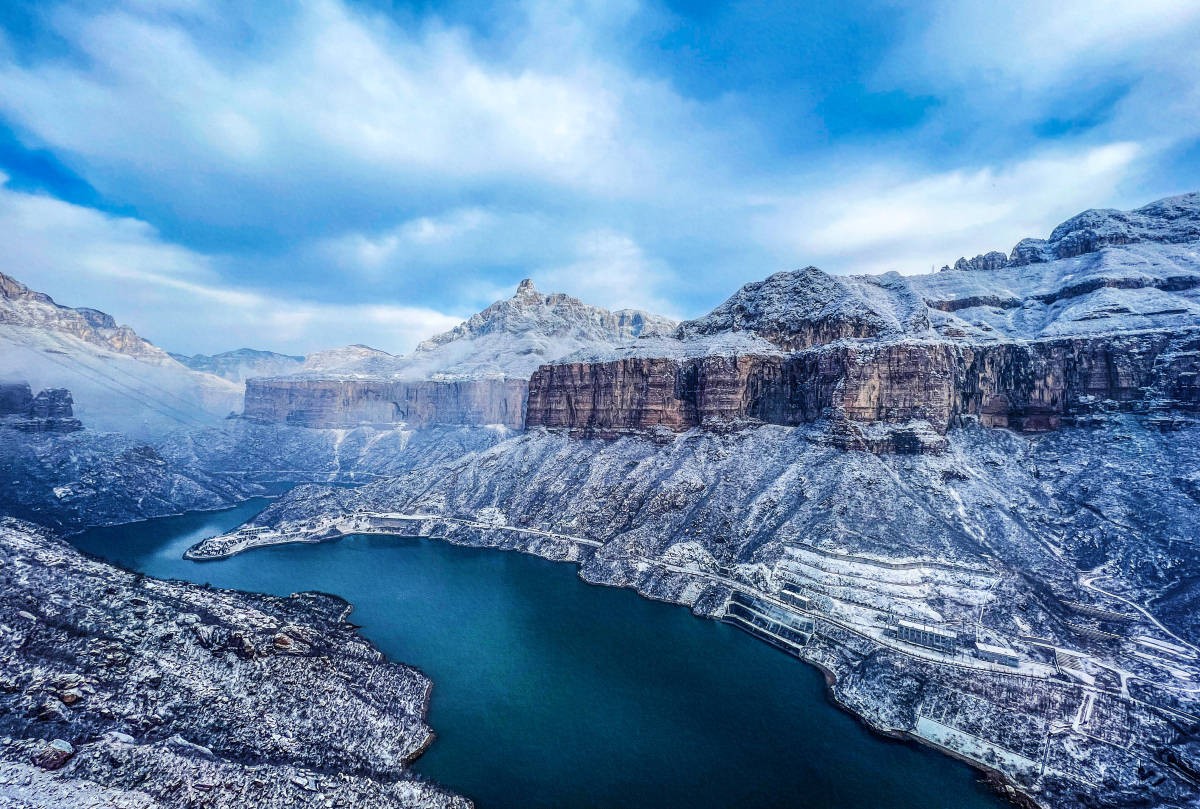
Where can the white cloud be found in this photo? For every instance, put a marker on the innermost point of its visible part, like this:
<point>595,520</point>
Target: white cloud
<point>1038,44</point>
<point>428,161</point>
<point>174,296</point>
<point>611,270</point>
<point>875,221</point>
<point>337,102</point>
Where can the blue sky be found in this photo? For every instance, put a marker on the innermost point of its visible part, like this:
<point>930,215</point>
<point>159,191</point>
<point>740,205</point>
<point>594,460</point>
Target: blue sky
<point>298,176</point>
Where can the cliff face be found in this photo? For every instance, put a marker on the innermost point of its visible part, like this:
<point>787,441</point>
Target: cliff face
<point>1105,316</point>
<point>1022,386</point>
<point>348,403</point>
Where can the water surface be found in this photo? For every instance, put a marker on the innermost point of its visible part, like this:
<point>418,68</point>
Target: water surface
<point>549,692</point>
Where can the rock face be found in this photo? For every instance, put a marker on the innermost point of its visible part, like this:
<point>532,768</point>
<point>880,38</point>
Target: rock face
<point>22,306</point>
<point>1026,386</point>
<point>349,403</point>
<point>120,382</point>
<point>116,689</point>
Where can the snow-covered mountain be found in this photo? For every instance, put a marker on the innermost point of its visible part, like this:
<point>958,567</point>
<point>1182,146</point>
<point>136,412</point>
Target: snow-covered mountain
<point>507,340</point>
<point>241,364</point>
<point>119,381</point>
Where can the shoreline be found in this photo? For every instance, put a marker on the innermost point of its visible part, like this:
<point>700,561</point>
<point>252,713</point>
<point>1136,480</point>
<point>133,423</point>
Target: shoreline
<point>999,783</point>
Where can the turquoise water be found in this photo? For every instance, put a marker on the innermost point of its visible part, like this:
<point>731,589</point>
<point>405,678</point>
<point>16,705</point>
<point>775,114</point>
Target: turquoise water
<point>549,692</point>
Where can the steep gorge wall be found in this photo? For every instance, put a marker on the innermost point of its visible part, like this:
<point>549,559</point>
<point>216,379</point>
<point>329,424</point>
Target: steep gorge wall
<point>1025,386</point>
<point>349,403</point>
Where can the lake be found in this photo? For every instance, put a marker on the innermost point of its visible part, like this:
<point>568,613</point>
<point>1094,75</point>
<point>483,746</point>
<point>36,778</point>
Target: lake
<point>549,692</point>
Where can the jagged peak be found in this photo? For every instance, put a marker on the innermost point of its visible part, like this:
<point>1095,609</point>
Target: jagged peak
<point>1170,220</point>
<point>550,315</point>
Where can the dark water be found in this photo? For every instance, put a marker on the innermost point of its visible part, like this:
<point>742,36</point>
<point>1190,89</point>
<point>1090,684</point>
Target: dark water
<point>552,693</point>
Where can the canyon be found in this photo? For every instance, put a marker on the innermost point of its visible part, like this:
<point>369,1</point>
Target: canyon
<point>968,497</point>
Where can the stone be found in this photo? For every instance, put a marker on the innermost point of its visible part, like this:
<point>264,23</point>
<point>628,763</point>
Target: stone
<point>54,755</point>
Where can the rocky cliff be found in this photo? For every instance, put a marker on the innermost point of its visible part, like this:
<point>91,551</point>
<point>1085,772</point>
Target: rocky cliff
<point>50,411</point>
<point>1023,386</point>
<point>22,306</point>
<point>119,381</point>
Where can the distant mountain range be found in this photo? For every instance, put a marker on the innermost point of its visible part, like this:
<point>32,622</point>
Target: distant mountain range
<point>241,364</point>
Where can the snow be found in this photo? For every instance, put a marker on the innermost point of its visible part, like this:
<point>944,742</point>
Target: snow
<point>114,392</point>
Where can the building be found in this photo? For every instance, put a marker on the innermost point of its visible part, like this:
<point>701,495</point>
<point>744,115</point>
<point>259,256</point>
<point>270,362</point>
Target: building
<point>790,596</point>
<point>926,635</point>
<point>997,654</point>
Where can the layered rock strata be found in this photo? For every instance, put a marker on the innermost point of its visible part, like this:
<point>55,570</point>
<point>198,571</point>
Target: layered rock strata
<point>1024,386</point>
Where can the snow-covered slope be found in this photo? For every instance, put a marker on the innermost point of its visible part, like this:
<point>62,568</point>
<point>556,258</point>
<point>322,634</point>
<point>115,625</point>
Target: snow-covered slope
<point>119,381</point>
<point>242,364</point>
<point>22,306</point>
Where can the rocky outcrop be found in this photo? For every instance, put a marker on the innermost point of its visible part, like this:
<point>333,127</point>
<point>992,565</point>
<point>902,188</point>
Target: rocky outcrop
<point>48,412</point>
<point>1173,220</point>
<point>349,403</point>
<point>804,308</point>
<point>117,689</point>
<point>22,306</point>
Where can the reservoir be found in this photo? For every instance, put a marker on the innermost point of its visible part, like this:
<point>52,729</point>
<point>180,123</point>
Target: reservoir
<point>549,692</point>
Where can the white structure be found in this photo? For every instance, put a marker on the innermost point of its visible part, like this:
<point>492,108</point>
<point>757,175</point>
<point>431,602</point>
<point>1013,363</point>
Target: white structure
<point>926,635</point>
<point>997,654</point>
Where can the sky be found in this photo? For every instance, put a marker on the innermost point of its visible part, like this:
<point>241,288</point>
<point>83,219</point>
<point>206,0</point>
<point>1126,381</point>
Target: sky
<point>298,176</point>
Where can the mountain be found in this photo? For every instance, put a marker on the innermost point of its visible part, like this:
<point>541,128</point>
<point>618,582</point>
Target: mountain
<point>473,374</point>
<point>240,365</point>
<point>970,497</point>
<point>511,338</point>
<point>21,306</point>
<point>119,381</point>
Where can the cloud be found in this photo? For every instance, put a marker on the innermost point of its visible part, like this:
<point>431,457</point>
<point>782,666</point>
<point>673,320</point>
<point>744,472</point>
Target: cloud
<point>328,107</point>
<point>876,221</point>
<point>335,154</point>
<point>612,270</point>
<point>1037,45</point>
<point>172,295</point>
